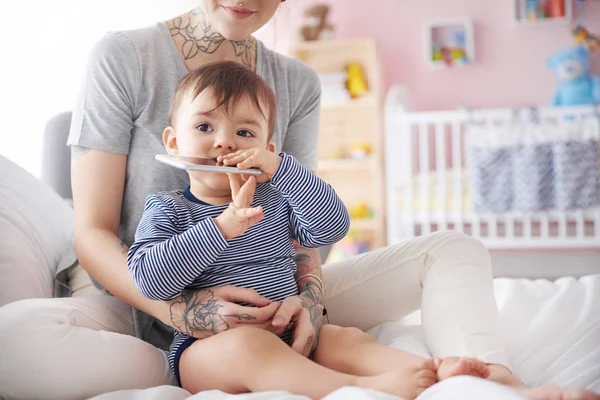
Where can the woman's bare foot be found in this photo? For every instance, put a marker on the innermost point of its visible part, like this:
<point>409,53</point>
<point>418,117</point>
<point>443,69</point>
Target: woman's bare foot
<point>406,383</point>
<point>454,366</point>
<point>553,392</point>
<point>502,375</point>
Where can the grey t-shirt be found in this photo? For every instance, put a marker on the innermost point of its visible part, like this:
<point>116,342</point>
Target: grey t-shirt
<point>123,108</point>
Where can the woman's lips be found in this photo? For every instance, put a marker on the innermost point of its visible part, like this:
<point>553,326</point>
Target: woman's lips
<point>239,12</point>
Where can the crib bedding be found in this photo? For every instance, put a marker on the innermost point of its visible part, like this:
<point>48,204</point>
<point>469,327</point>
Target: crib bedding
<point>552,331</point>
<point>441,197</point>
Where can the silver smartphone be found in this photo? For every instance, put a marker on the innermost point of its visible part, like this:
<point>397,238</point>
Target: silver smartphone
<point>203,164</point>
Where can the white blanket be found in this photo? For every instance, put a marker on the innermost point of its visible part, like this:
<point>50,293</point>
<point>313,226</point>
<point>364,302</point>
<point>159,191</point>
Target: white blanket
<point>552,331</point>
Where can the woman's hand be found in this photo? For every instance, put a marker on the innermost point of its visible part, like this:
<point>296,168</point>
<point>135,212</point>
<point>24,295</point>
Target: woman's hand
<point>204,313</point>
<point>305,313</point>
<point>265,160</point>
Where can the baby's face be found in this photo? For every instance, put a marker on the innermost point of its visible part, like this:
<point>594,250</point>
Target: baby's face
<point>201,130</point>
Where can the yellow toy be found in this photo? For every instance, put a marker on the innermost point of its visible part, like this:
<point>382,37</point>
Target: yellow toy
<point>360,211</point>
<point>360,151</point>
<point>584,37</point>
<point>356,83</point>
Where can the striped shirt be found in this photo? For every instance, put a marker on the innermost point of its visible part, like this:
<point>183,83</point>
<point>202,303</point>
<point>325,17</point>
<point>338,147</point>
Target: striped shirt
<point>177,244</point>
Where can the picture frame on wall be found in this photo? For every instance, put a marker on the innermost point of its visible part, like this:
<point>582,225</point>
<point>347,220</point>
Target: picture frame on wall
<point>449,43</point>
<point>543,13</point>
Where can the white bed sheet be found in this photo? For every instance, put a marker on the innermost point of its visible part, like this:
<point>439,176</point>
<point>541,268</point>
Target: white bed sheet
<point>553,332</point>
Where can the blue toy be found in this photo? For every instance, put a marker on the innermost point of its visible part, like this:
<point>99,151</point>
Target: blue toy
<point>577,85</point>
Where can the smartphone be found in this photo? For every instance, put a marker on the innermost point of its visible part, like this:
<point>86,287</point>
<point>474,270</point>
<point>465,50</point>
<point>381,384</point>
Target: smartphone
<point>203,164</point>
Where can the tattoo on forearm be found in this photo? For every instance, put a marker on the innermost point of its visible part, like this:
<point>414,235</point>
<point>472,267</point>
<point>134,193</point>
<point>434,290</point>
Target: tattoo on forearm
<point>199,36</point>
<point>308,347</point>
<point>198,313</point>
<point>312,300</point>
<point>307,262</point>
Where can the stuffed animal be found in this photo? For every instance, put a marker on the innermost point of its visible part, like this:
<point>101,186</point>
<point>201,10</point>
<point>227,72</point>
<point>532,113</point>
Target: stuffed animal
<point>577,85</point>
<point>315,25</point>
<point>356,83</point>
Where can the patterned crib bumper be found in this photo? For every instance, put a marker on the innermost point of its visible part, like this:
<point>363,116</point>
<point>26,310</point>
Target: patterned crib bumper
<point>534,167</point>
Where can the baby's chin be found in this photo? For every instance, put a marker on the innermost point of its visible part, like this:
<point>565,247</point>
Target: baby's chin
<point>214,183</point>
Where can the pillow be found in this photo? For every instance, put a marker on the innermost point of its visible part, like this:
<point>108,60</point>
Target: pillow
<point>36,235</point>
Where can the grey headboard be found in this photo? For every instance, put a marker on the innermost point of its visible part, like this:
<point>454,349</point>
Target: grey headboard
<point>56,155</point>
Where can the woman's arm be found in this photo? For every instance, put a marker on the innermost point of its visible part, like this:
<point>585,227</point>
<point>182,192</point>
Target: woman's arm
<point>301,141</point>
<point>98,180</point>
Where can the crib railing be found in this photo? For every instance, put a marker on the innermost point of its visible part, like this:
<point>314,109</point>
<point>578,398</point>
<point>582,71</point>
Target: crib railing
<point>428,185</point>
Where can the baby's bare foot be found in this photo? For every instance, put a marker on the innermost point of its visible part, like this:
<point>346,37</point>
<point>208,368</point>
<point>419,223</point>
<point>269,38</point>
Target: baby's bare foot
<point>553,392</point>
<point>406,383</point>
<point>453,366</point>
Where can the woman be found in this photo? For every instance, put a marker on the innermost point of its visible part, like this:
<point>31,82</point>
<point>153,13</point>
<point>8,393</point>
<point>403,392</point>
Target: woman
<point>116,131</point>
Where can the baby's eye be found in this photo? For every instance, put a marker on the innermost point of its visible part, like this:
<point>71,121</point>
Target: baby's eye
<point>244,133</point>
<point>204,128</point>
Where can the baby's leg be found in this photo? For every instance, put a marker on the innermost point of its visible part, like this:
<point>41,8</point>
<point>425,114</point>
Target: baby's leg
<point>351,351</point>
<point>252,360</point>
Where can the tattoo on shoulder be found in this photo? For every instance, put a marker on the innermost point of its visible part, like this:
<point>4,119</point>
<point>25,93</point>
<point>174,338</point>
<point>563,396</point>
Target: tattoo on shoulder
<point>198,313</point>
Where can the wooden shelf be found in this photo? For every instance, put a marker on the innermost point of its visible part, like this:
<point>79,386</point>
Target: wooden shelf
<point>344,165</point>
<point>558,20</point>
<point>350,105</point>
<point>349,124</point>
<point>364,224</point>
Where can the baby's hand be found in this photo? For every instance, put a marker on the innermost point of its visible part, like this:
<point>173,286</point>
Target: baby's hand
<point>240,215</point>
<point>265,160</point>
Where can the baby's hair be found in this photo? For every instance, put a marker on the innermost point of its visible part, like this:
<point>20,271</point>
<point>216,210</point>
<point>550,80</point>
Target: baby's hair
<point>229,81</point>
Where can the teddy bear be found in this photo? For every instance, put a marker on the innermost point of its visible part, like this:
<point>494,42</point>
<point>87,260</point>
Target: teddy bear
<point>577,85</point>
<point>316,26</point>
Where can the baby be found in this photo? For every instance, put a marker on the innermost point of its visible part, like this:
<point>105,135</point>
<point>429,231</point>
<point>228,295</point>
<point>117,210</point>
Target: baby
<point>227,229</point>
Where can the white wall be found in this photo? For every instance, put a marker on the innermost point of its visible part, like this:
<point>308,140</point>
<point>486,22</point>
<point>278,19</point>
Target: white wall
<point>43,50</point>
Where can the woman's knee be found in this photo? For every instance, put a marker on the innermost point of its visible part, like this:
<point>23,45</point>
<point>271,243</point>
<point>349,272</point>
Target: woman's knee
<point>455,245</point>
<point>337,337</point>
<point>16,316</point>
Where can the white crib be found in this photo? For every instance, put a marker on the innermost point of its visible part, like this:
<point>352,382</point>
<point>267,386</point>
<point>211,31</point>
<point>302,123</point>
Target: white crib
<point>427,185</point>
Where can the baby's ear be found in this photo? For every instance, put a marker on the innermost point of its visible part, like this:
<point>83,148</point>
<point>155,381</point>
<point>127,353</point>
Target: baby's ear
<point>271,147</point>
<point>170,140</point>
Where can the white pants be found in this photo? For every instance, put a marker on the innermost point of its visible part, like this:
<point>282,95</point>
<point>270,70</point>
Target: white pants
<point>82,346</point>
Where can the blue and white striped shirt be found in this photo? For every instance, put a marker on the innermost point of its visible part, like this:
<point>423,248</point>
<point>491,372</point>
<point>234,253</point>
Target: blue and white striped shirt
<point>177,244</point>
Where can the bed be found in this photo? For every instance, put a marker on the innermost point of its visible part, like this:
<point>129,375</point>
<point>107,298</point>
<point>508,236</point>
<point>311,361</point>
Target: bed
<point>553,331</point>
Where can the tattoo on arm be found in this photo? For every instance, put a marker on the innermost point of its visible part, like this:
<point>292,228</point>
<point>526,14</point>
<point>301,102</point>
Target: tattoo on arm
<point>312,300</point>
<point>198,313</point>
<point>307,262</point>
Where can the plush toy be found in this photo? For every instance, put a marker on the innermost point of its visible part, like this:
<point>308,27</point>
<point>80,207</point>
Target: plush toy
<point>315,25</point>
<point>360,151</point>
<point>356,83</point>
<point>583,37</point>
<point>577,86</point>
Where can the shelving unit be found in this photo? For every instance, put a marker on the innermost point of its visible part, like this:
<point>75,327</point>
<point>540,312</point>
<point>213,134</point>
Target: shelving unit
<point>543,13</point>
<point>345,124</point>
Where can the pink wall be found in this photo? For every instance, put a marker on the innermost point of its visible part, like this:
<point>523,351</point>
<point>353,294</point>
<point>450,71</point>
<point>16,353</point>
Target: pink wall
<point>510,66</point>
